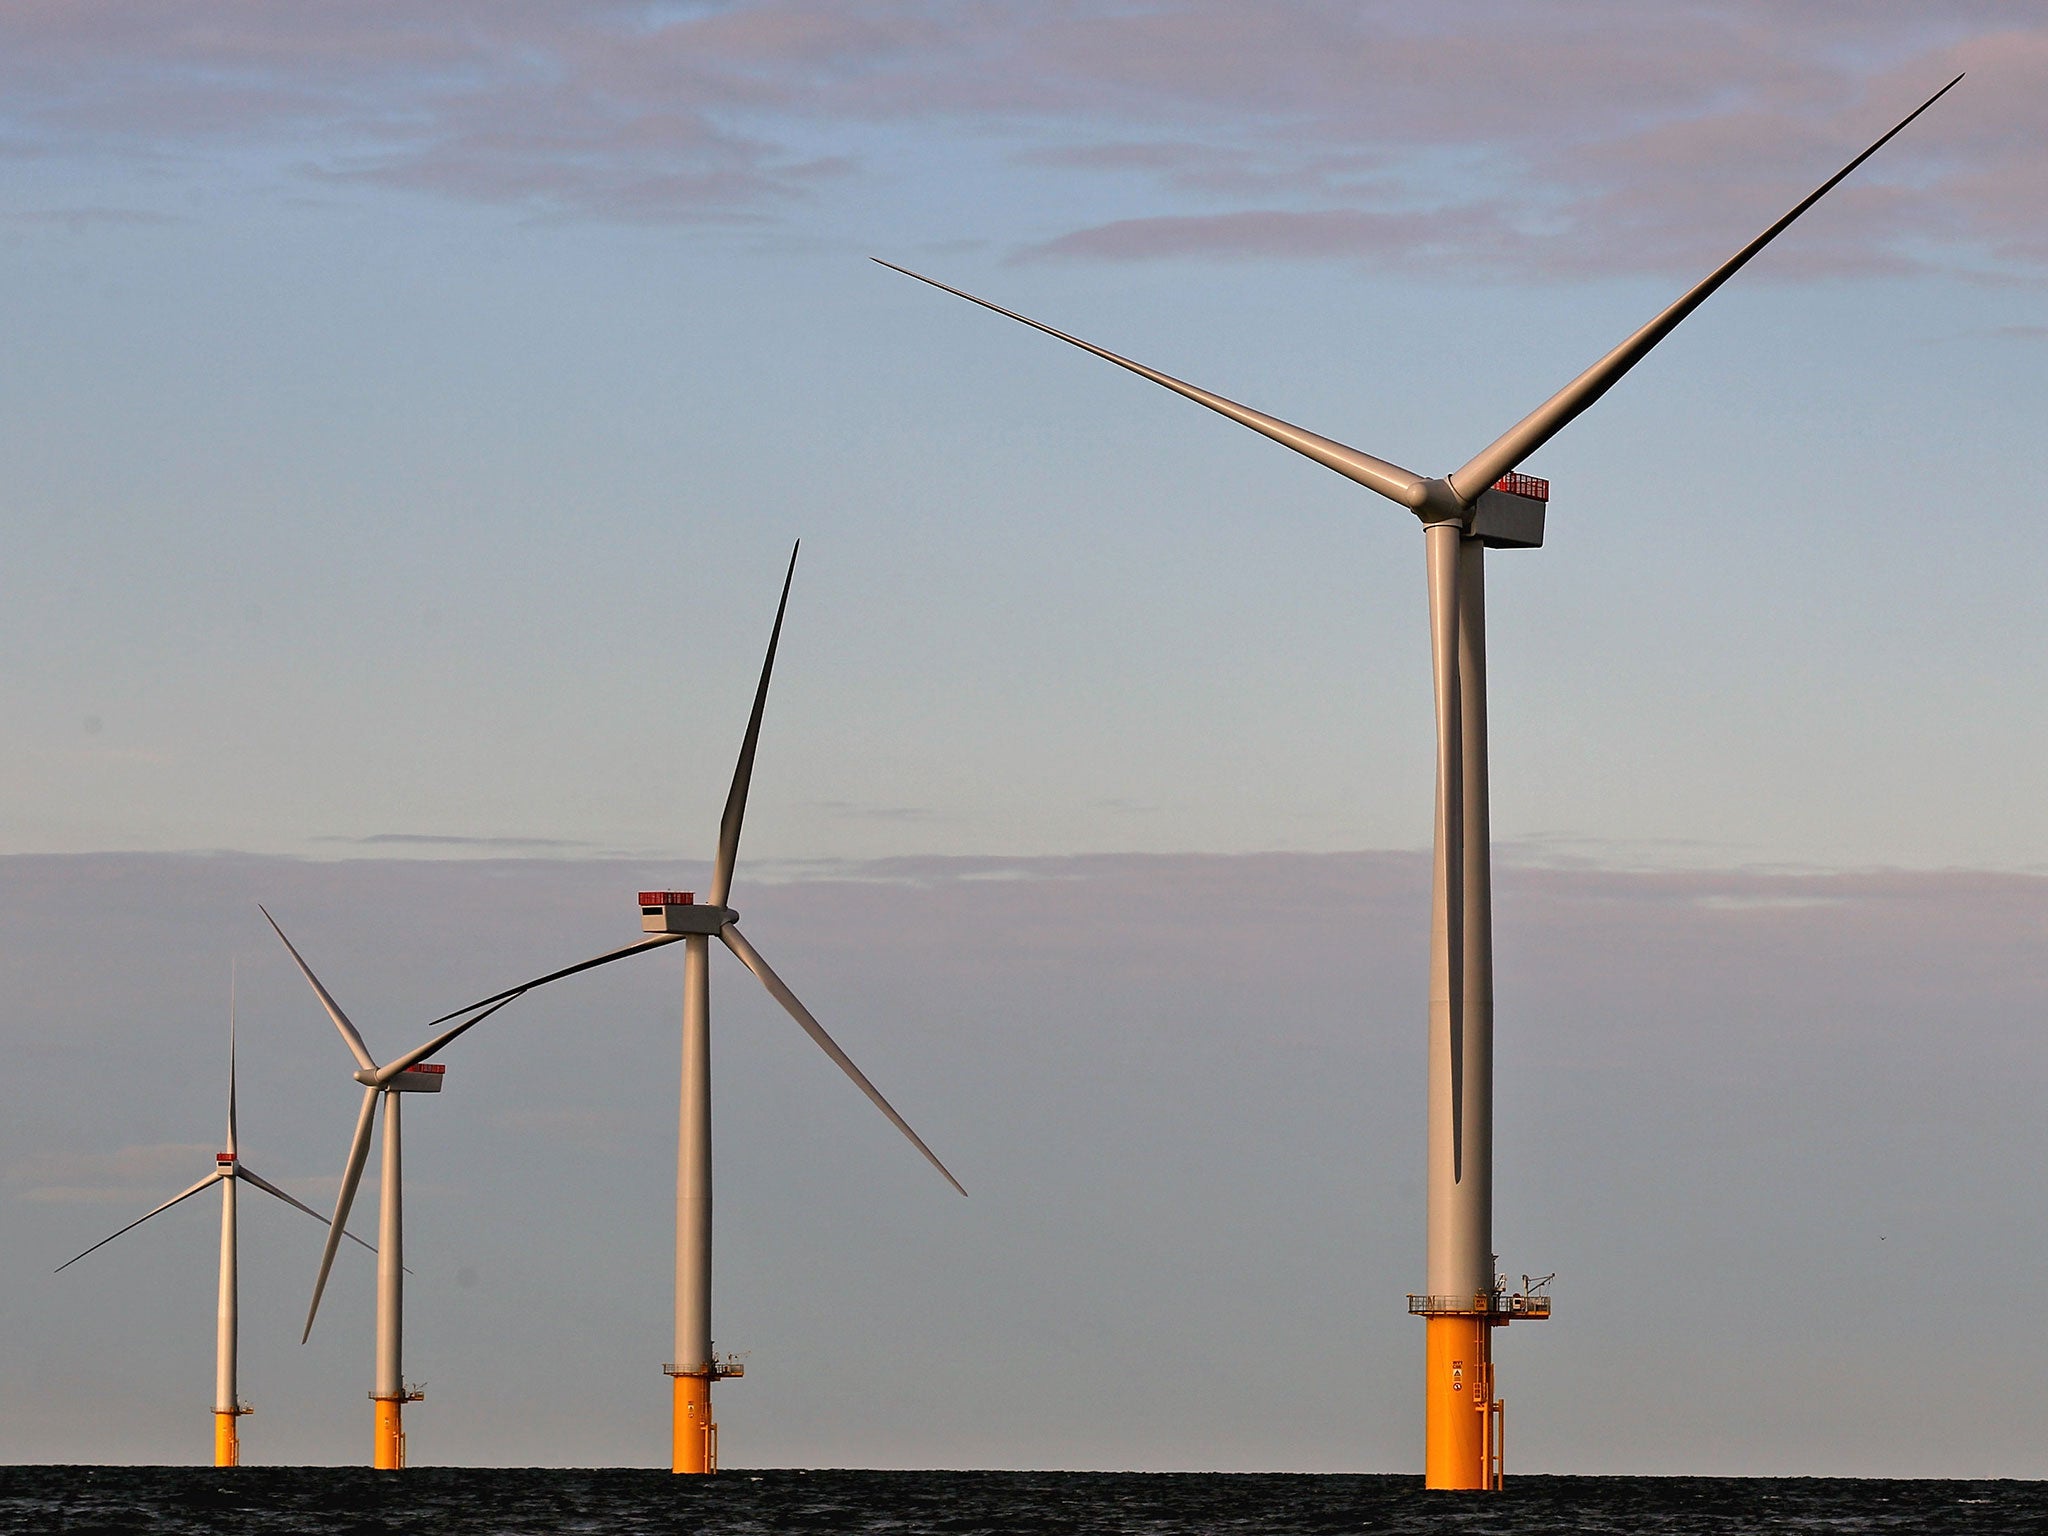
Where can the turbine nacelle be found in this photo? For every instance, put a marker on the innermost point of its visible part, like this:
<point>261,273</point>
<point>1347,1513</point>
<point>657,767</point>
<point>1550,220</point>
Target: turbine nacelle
<point>1509,513</point>
<point>678,912</point>
<point>420,1077</point>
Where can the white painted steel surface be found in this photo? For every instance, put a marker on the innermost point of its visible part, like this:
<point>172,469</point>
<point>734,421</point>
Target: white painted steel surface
<point>1466,1211</point>
<point>226,1336</point>
<point>1459,1239</point>
<point>693,1166</point>
<point>1375,474</point>
<point>351,1173</point>
<point>1508,450</point>
<point>390,1375</point>
<point>226,1331</point>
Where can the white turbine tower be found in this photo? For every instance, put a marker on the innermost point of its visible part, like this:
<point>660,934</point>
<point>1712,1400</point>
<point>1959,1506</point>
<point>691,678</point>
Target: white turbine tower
<point>228,1171</point>
<point>670,916</point>
<point>1482,504</point>
<point>411,1072</point>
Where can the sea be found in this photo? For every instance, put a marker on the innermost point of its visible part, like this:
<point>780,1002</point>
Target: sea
<point>172,1501</point>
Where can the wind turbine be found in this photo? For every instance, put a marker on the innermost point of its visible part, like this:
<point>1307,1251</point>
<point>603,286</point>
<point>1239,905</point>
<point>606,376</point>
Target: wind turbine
<point>411,1072</point>
<point>228,1171</point>
<point>1480,505</point>
<point>669,917</point>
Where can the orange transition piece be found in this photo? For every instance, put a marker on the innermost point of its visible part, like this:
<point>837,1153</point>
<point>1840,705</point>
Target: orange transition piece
<point>227,1441</point>
<point>389,1452</point>
<point>1461,1436</point>
<point>696,1436</point>
<point>694,1433</point>
<point>1465,1422</point>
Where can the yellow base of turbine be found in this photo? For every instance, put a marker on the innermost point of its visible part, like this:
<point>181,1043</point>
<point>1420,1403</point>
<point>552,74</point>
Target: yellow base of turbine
<point>1462,1430</point>
<point>695,1433</point>
<point>388,1453</point>
<point>227,1441</point>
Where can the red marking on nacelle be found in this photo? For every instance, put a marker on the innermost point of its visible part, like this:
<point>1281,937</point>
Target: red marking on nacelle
<point>668,898</point>
<point>1524,485</point>
<point>435,1067</point>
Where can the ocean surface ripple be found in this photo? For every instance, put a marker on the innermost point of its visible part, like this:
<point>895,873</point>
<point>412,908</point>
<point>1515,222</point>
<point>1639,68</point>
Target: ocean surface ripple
<point>172,1501</point>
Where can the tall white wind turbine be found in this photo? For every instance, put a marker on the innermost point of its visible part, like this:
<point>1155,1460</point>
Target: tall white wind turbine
<point>1482,504</point>
<point>411,1072</point>
<point>228,1171</point>
<point>668,917</point>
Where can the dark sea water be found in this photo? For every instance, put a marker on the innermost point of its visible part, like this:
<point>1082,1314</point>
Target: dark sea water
<point>353,1502</point>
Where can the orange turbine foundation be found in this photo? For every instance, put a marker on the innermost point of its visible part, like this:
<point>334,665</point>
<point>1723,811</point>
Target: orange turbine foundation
<point>696,1435</point>
<point>1461,1438</point>
<point>227,1442</point>
<point>388,1454</point>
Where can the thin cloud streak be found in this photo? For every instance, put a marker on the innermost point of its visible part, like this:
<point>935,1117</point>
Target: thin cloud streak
<point>1265,234</point>
<point>864,811</point>
<point>151,1172</point>
<point>77,219</point>
<point>453,840</point>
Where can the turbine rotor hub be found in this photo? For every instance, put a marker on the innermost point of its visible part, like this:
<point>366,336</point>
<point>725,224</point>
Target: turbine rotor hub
<point>1439,502</point>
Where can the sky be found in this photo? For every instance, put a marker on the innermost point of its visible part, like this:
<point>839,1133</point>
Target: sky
<point>407,416</point>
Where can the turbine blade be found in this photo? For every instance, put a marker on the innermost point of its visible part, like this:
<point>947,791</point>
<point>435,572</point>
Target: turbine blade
<point>1390,480</point>
<point>358,1153</point>
<point>654,941</point>
<point>1551,417</point>
<point>244,1171</point>
<point>211,1178</point>
<point>420,1053</point>
<point>349,1036</point>
<point>779,990</point>
<point>742,776</point>
<point>231,1055</point>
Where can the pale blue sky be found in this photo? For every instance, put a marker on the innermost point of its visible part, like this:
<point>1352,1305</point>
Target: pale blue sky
<point>407,411</point>
<point>383,383</point>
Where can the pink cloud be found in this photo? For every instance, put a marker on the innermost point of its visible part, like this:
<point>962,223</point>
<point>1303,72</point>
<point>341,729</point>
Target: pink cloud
<point>1582,136</point>
<point>1475,237</point>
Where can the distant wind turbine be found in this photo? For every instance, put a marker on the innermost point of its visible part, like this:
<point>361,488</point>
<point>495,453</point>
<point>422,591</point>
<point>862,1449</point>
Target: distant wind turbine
<point>669,916</point>
<point>409,1073</point>
<point>1481,504</point>
<point>228,1171</point>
